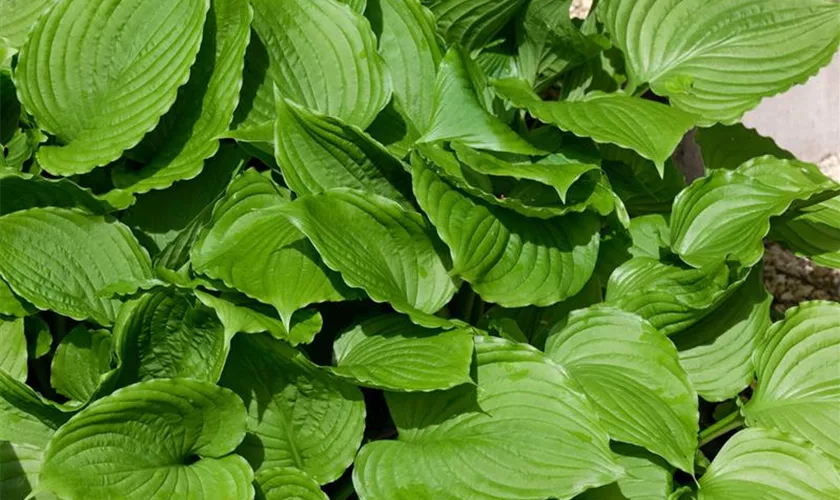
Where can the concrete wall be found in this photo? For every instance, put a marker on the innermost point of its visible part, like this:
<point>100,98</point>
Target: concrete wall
<point>806,119</point>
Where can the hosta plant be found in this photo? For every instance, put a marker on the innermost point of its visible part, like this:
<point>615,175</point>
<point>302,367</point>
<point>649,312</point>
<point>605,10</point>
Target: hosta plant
<point>409,250</point>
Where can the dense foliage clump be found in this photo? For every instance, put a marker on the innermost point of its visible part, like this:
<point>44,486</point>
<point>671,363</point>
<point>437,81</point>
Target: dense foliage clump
<point>409,250</point>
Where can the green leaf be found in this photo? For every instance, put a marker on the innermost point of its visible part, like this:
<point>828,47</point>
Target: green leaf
<point>316,152</point>
<point>798,384</point>
<point>99,105</point>
<point>651,236</point>
<point>409,45</point>
<point>39,337</point>
<point>251,317</point>
<point>472,23</point>
<point>11,304</point>
<point>548,43</point>
<point>651,129</point>
<point>461,109</point>
<point>727,214</point>
<point>531,199</point>
<point>288,483</point>
<point>508,258</point>
<point>299,415</point>
<point>310,51</point>
<point>80,361</point>
<point>20,191</point>
<point>760,463</point>
<point>638,182</point>
<point>559,171</point>
<point>716,351</point>
<point>13,355</point>
<point>410,270</point>
<point>525,432</point>
<point>153,214</point>
<point>10,114</point>
<point>632,374</point>
<point>25,416</point>
<point>390,352</point>
<point>60,259</point>
<point>648,477</point>
<point>729,146</point>
<point>290,275</point>
<point>164,335</point>
<point>813,233</point>
<point>20,465</point>
<point>18,18</point>
<point>114,449</point>
<point>187,134</point>
<point>671,298</point>
<point>719,59</point>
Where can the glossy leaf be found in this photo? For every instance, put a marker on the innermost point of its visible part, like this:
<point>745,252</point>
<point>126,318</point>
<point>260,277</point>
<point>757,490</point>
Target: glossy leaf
<point>719,59</point>
<point>546,440</point>
<point>727,214</point>
<point>798,388</point>
<point>60,259</point>
<point>461,109</point>
<point>187,134</point>
<point>759,463</point>
<point>27,418</point>
<point>112,448</point>
<point>814,233</point>
<point>509,259</point>
<point>649,128</point>
<point>472,23</point>
<point>18,18</point>
<point>288,483</point>
<point>101,98</point>
<point>316,152</point>
<point>410,269</point>
<point>299,415</point>
<point>390,352</point>
<point>20,465</point>
<point>632,375</point>
<point>80,361</point>
<point>648,477</point>
<point>13,355</point>
<point>309,50</point>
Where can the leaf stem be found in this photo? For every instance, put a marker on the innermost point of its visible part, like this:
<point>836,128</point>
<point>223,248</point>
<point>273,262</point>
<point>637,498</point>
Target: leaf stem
<point>728,423</point>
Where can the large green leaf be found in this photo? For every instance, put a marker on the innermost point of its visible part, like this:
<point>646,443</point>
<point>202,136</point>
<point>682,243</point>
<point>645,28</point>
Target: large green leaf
<point>760,463</point>
<point>409,45</point>
<point>316,152</point>
<point>472,23</point>
<point>165,335</point>
<point>289,274</point>
<point>548,43</point>
<point>80,361</point>
<point>461,109</point>
<point>727,214</point>
<point>717,59</point>
<point>409,268</point>
<point>508,258</point>
<point>188,134</point>
<point>649,128</point>
<point>25,417</point>
<point>102,97</point>
<point>299,415</point>
<point>639,184</point>
<point>246,316</point>
<point>390,352</point>
<point>141,442</point>
<point>814,233</point>
<point>310,50</point>
<point>61,259</point>
<point>13,355</point>
<point>729,146</point>
<point>18,16</point>
<point>21,191</point>
<point>716,352</point>
<point>20,465</point>
<point>524,432</point>
<point>288,483</point>
<point>671,298</point>
<point>632,374</point>
<point>798,382</point>
<point>648,477</point>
